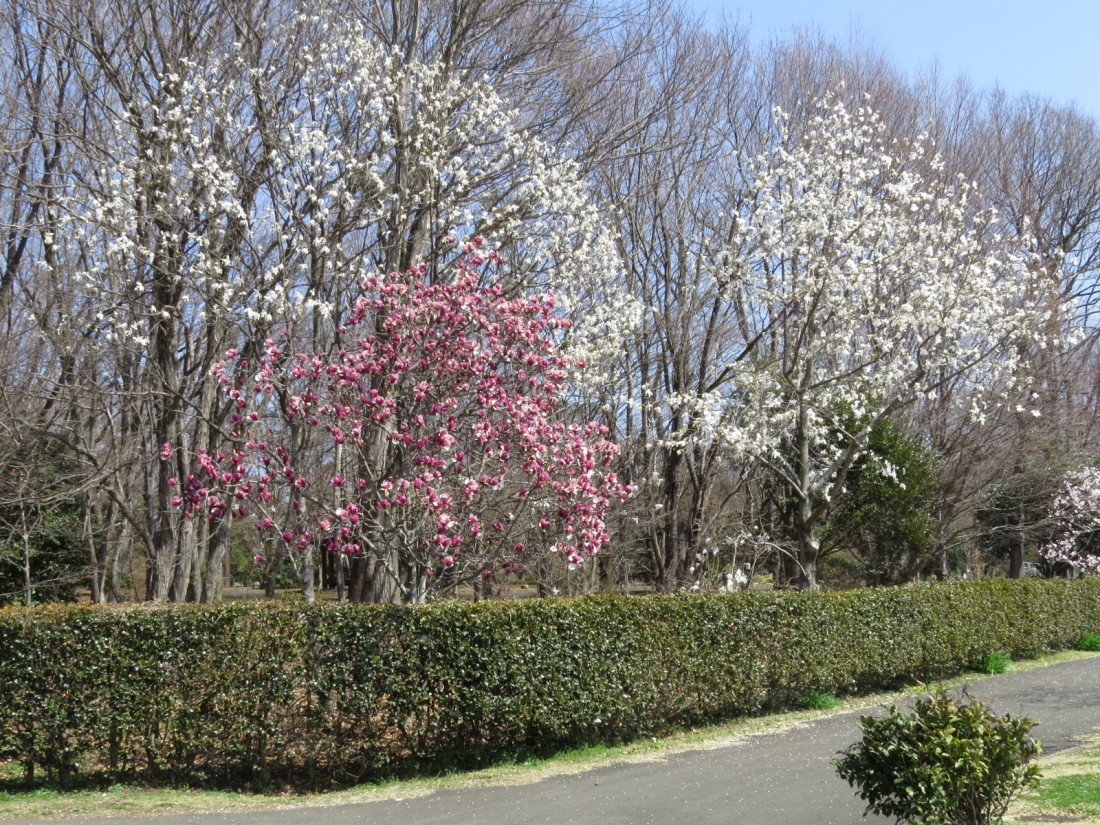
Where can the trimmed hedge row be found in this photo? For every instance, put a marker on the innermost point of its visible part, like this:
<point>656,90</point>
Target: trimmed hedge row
<point>238,694</point>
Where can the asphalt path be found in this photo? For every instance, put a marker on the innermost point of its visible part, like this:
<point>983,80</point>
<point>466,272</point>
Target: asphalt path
<point>780,778</point>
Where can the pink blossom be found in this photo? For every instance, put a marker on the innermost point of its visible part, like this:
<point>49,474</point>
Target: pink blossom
<point>436,384</point>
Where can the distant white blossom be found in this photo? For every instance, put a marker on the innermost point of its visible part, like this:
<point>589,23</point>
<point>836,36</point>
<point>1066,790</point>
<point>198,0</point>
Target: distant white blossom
<point>1076,514</point>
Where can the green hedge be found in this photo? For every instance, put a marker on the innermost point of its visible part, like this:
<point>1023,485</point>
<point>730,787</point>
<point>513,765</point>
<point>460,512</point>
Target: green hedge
<point>250,694</point>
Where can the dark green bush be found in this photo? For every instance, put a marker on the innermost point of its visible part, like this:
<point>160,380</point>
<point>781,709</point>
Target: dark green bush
<point>1089,642</point>
<point>996,663</point>
<point>243,694</point>
<point>820,700</point>
<point>950,762</point>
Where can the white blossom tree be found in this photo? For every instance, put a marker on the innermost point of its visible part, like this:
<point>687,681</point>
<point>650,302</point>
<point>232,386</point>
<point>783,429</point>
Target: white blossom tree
<point>862,286</point>
<point>248,170</point>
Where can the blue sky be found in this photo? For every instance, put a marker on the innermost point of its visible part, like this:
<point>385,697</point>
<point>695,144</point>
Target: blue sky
<point>1052,50</point>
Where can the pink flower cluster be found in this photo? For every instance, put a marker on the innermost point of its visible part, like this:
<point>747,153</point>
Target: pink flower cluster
<point>445,411</point>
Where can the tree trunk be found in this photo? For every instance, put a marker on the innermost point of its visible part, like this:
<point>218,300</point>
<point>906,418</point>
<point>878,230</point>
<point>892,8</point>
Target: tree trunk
<point>806,519</point>
<point>214,580</point>
<point>382,584</point>
<point>307,577</point>
<point>121,555</point>
<point>270,582</point>
<point>808,549</point>
<point>28,582</point>
<point>1016,560</point>
<point>186,548</point>
<point>341,579</point>
<point>358,588</point>
<point>98,554</point>
<point>666,553</point>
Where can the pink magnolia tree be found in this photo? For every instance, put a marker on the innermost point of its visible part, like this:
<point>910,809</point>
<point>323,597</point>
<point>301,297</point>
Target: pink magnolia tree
<point>1076,516</point>
<point>437,453</point>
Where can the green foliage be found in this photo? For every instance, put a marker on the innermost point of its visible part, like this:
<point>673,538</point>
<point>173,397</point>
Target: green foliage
<point>820,700</point>
<point>883,517</point>
<point>997,662</point>
<point>1014,516</point>
<point>1090,642</point>
<point>243,569</point>
<point>320,695</point>
<point>57,559</point>
<point>40,523</point>
<point>950,762</point>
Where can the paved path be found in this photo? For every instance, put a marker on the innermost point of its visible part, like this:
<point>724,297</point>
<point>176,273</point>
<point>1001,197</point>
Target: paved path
<point>783,778</point>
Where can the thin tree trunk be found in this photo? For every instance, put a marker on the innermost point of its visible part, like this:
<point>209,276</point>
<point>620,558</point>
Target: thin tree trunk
<point>98,554</point>
<point>28,582</point>
<point>808,543</point>
<point>121,556</point>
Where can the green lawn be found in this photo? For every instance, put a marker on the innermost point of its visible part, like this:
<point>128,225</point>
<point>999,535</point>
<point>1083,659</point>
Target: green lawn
<point>1069,790</point>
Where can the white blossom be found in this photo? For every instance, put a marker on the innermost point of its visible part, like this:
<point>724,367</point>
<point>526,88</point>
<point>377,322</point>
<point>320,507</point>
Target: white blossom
<point>1076,513</point>
<point>367,151</point>
<point>864,286</point>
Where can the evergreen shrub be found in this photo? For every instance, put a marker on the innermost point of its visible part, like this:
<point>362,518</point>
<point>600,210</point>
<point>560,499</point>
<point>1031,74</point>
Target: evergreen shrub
<point>949,762</point>
<point>246,695</point>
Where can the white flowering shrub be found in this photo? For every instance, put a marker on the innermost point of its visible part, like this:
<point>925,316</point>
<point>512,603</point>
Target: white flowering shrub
<point>1076,516</point>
